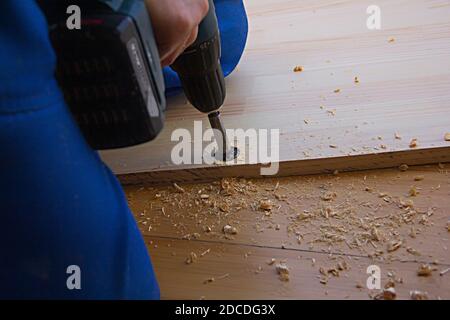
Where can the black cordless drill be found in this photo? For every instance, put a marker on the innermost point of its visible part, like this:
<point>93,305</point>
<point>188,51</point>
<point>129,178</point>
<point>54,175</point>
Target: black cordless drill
<point>110,73</point>
<point>202,78</point>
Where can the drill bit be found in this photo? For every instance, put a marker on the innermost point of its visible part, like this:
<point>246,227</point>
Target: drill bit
<point>225,152</point>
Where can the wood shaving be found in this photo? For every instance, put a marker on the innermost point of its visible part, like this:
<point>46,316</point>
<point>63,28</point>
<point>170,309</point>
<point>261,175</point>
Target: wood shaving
<point>191,236</point>
<point>209,280</point>
<point>418,295</point>
<point>204,253</point>
<point>229,230</point>
<point>425,270</point>
<point>180,189</point>
<point>298,69</point>
<point>375,234</point>
<point>387,294</point>
<point>413,192</point>
<point>328,196</point>
<point>342,266</point>
<point>212,279</point>
<point>404,167</point>
<point>356,80</point>
<point>224,207</point>
<point>389,284</point>
<point>283,271</point>
<point>337,90</point>
<point>266,205</point>
<point>413,251</point>
<point>333,271</point>
<point>226,275</point>
<point>192,258</point>
<point>394,246</point>
<point>397,136</point>
<point>271,262</point>
<point>447,136</point>
<point>391,40</point>
<point>204,196</point>
<point>413,143</point>
<point>419,178</point>
<point>444,272</point>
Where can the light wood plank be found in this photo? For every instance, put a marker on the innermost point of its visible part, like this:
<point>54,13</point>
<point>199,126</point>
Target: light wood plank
<point>404,88</point>
<point>242,272</point>
<point>240,257</point>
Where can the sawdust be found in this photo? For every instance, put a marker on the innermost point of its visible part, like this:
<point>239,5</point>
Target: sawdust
<point>192,258</point>
<point>204,253</point>
<point>266,205</point>
<point>394,245</point>
<point>413,192</point>
<point>413,251</point>
<point>328,196</point>
<point>447,136</point>
<point>283,271</point>
<point>387,294</point>
<point>425,270</point>
<point>209,280</point>
<point>444,272</point>
<point>214,279</point>
<point>413,143</point>
<point>180,189</point>
<point>320,216</point>
<point>418,295</point>
<point>229,230</point>
<point>298,69</point>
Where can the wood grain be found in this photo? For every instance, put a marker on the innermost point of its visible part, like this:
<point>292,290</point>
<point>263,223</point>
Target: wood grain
<point>242,272</point>
<point>404,88</point>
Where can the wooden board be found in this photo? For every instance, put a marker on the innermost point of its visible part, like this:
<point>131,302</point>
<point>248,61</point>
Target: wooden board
<point>243,258</point>
<point>238,276</point>
<point>404,88</point>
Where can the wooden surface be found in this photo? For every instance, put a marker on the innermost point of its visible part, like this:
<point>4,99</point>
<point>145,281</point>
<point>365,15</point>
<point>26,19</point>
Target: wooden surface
<point>404,88</point>
<point>176,221</point>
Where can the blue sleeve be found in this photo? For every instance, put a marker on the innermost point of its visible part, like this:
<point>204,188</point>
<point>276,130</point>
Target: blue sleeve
<point>59,204</point>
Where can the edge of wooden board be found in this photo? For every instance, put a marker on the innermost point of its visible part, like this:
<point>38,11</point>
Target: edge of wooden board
<point>291,168</point>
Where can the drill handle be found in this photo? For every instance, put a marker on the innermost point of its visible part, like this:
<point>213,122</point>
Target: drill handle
<point>199,67</point>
